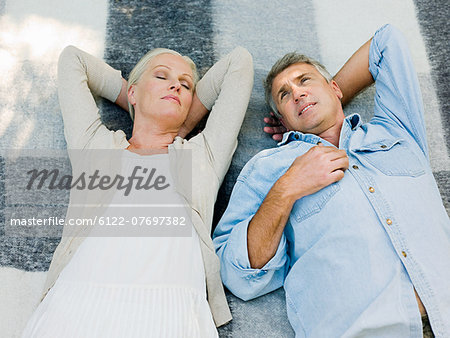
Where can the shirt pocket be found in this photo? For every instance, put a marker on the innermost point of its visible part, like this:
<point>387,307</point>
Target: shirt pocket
<point>309,205</point>
<point>392,157</point>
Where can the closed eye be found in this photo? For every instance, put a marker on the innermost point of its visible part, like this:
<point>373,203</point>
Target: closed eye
<point>283,94</point>
<point>304,79</point>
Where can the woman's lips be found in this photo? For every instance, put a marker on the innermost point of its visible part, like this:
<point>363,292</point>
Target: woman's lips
<point>172,97</point>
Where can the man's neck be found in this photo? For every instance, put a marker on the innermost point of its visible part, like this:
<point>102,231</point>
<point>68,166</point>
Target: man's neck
<point>333,133</point>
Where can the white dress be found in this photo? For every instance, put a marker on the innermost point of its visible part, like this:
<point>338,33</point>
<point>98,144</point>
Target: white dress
<point>130,286</point>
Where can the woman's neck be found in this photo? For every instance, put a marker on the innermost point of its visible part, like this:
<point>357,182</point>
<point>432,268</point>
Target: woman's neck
<point>149,137</point>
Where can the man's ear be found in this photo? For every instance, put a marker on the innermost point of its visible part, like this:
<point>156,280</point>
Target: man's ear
<point>283,123</point>
<point>130,95</point>
<point>336,89</point>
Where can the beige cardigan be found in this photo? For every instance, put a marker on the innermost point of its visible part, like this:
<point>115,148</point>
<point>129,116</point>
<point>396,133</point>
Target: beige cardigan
<point>224,90</point>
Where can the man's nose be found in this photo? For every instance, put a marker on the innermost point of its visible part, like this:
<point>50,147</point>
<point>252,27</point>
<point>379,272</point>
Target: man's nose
<point>298,93</point>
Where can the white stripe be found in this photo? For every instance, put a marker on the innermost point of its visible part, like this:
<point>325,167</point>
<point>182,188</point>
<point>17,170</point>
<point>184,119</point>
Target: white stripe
<point>20,293</point>
<point>343,26</point>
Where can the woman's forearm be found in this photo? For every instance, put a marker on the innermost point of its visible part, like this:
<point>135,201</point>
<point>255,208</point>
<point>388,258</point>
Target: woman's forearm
<point>122,99</point>
<point>195,115</point>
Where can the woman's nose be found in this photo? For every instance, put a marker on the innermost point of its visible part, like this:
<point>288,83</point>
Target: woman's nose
<point>175,86</point>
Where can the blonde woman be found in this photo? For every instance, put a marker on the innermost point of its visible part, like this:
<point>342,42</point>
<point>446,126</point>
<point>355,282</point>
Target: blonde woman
<point>145,286</point>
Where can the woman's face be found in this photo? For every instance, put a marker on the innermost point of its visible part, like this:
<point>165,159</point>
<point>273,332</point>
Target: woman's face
<point>164,91</point>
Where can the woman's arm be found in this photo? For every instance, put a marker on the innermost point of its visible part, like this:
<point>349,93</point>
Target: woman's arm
<point>195,115</point>
<point>122,99</point>
<point>80,76</point>
<point>225,90</point>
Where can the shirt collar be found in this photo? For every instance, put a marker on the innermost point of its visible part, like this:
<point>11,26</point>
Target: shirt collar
<point>352,121</point>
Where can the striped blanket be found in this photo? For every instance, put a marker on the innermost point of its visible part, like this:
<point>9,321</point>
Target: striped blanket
<point>32,34</point>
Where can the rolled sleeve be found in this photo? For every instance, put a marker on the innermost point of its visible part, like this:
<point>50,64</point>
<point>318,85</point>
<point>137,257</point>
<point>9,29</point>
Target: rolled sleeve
<point>398,97</point>
<point>230,240</point>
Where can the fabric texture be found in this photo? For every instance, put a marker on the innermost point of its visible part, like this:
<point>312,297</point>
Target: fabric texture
<point>210,151</point>
<point>33,34</point>
<point>135,286</point>
<point>375,234</point>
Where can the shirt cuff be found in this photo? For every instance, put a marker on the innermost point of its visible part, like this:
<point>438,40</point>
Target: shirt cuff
<point>239,253</point>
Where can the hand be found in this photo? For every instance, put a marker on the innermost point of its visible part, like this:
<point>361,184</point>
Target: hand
<point>276,129</point>
<point>319,167</point>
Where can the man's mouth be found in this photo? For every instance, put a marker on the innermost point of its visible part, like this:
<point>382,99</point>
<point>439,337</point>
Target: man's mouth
<point>305,108</point>
<point>172,97</point>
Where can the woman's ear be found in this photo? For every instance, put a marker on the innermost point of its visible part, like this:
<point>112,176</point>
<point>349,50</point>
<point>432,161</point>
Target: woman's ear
<point>130,94</point>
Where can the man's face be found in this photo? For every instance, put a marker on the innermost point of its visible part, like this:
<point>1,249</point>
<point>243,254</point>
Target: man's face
<point>305,100</point>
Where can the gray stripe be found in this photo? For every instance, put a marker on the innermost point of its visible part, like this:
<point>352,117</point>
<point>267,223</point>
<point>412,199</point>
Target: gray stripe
<point>134,27</point>
<point>435,26</point>
<point>268,29</point>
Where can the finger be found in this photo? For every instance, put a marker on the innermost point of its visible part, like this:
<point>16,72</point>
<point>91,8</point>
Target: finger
<point>269,130</point>
<point>270,120</point>
<point>336,175</point>
<point>340,164</point>
<point>277,137</point>
<point>324,149</point>
<point>338,154</point>
<point>279,130</point>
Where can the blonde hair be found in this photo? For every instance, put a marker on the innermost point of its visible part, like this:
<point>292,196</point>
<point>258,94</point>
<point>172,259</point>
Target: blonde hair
<point>141,66</point>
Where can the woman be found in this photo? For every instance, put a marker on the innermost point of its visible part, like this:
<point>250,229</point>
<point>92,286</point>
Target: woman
<point>144,286</point>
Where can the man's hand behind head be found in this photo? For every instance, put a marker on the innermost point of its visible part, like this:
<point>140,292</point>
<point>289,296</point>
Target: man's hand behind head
<point>275,128</point>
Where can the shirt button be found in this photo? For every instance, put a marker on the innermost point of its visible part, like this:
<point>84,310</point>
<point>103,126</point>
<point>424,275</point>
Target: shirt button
<point>389,221</point>
<point>371,189</point>
<point>355,166</point>
<point>296,136</point>
<point>404,254</point>
<point>383,146</point>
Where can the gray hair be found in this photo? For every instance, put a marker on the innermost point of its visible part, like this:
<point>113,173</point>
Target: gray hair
<point>141,66</point>
<point>288,60</point>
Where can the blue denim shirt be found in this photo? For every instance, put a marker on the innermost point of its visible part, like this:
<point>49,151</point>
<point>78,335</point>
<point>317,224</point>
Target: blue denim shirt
<point>352,253</point>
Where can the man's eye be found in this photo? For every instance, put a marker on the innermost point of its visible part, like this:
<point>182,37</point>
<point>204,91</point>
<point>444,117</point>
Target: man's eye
<point>283,94</point>
<point>304,79</point>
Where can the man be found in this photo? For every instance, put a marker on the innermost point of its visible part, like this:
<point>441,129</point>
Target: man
<point>345,215</point>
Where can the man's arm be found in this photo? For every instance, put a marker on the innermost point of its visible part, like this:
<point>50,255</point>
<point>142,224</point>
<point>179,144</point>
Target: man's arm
<point>354,75</point>
<point>398,98</point>
<point>230,240</point>
<point>316,169</point>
